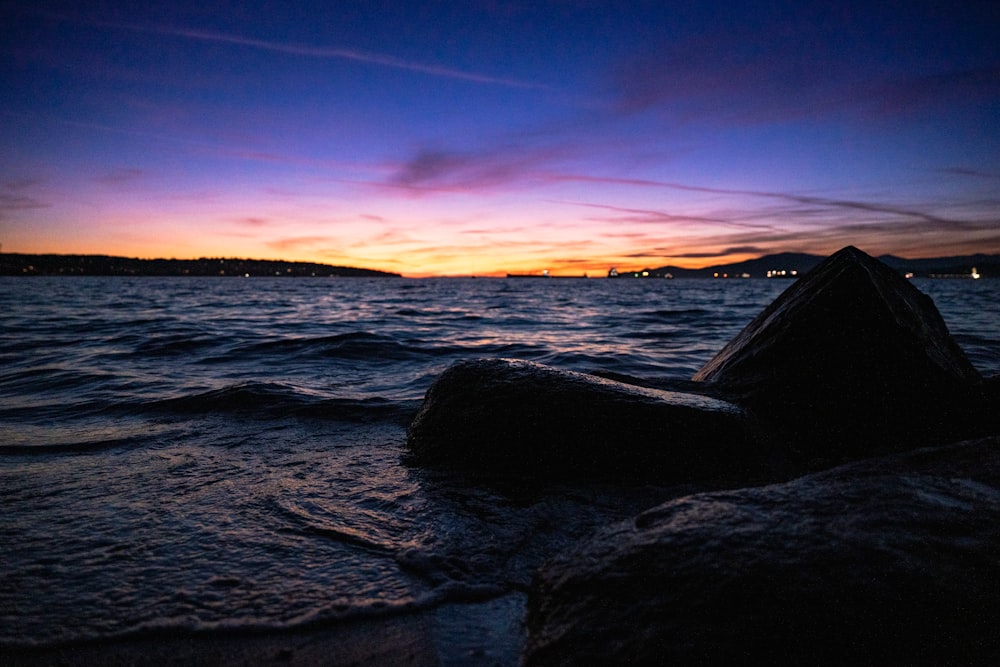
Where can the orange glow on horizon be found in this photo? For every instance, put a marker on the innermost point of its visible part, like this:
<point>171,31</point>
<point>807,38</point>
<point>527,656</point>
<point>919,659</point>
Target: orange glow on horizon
<point>430,262</point>
<point>490,235</point>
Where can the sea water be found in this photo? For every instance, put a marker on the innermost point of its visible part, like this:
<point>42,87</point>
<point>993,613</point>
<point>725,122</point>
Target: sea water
<point>200,454</point>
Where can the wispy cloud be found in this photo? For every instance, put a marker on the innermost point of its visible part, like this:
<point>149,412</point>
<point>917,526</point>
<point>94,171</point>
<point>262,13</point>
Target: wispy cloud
<point>323,52</point>
<point>15,202</point>
<point>725,252</point>
<point>942,89</point>
<point>252,221</point>
<point>895,236</point>
<point>298,242</point>
<point>870,61</point>
<point>120,176</point>
<point>648,216</point>
<point>292,160</point>
<point>966,171</point>
<point>505,166</point>
<point>476,170</point>
<point>823,202</point>
<point>16,195</point>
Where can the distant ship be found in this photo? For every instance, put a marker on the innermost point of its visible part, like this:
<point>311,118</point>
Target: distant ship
<point>543,274</point>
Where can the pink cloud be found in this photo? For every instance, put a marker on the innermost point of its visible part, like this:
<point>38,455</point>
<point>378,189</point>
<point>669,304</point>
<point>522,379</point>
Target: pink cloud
<point>298,242</point>
<point>253,221</point>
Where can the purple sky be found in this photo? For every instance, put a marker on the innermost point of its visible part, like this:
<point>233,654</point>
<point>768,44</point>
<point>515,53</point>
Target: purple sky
<point>486,137</point>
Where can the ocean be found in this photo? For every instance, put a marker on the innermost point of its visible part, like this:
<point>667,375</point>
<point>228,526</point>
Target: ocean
<point>196,455</point>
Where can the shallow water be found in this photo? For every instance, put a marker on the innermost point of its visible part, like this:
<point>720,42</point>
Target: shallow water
<point>191,454</point>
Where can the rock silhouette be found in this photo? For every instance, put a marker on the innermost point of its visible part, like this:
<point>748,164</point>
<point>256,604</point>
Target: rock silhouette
<point>890,561</point>
<point>851,359</point>
<point>509,417</point>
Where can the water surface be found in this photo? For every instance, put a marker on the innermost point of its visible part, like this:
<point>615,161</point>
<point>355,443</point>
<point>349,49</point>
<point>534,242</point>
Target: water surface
<point>195,454</point>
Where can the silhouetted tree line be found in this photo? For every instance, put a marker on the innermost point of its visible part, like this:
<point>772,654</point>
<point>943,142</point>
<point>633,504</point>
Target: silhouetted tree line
<point>15,264</point>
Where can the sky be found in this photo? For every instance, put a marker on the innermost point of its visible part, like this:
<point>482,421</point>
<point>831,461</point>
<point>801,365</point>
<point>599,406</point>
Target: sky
<point>486,137</point>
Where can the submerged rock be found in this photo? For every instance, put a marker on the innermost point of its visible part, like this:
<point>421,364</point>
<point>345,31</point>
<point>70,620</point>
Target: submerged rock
<point>888,561</point>
<point>851,354</point>
<point>501,416</point>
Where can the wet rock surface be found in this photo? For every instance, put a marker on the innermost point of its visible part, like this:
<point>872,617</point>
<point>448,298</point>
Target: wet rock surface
<point>503,416</point>
<point>889,561</point>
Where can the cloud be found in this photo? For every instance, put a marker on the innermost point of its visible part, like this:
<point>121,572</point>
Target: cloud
<point>726,252</point>
<point>734,71</point>
<point>15,202</point>
<point>327,53</point>
<point>869,59</point>
<point>647,216</point>
<point>253,221</point>
<point>468,171</point>
<point>942,90</point>
<point>298,242</point>
<point>14,196</point>
<point>288,159</point>
<point>821,204</point>
<point>120,176</point>
<point>445,171</point>
<point>966,171</point>
<point>895,236</point>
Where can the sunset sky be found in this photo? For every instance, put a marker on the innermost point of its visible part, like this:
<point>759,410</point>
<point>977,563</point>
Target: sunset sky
<point>486,137</point>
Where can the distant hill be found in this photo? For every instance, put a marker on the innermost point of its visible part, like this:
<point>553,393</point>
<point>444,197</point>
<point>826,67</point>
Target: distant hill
<point>16,264</point>
<point>755,268</point>
<point>794,264</point>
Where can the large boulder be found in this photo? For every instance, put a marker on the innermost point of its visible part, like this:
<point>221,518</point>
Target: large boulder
<point>886,561</point>
<point>507,417</point>
<point>851,359</point>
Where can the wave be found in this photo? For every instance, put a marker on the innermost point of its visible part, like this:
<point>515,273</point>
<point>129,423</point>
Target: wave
<point>173,344</point>
<point>50,377</point>
<point>672,315</point>
<point>274,399</point>
<point>353,346</point>
<point>85,447</point>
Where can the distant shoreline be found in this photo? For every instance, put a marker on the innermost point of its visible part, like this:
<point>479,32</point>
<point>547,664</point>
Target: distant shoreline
<point>781,266</point>
<point>17,264</point>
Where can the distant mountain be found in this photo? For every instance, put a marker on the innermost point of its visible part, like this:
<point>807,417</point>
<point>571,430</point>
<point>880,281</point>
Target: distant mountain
<point>16,264</point>
<point>755,268</point>
<point>794,264</point>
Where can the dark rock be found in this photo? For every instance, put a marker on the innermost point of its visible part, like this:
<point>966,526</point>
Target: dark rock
<point>854,356</point>
<point>887,561</point>
<point>501,416</point>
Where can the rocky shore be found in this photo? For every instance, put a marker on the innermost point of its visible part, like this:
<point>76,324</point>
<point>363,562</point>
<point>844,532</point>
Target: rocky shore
<point>859,448</point>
